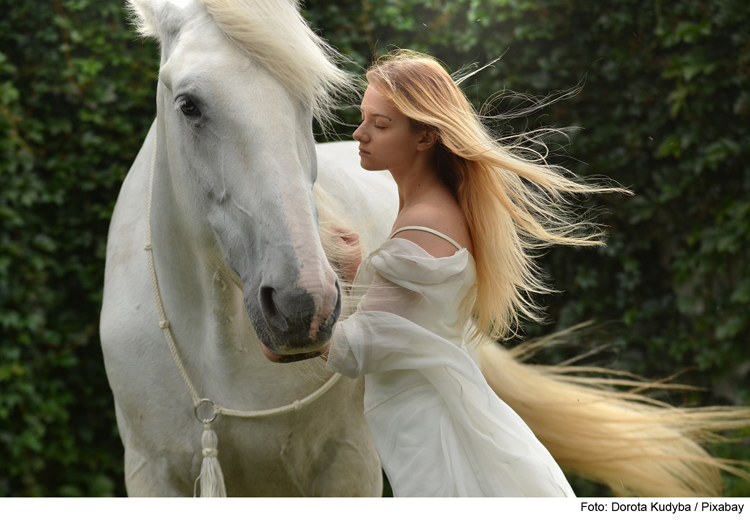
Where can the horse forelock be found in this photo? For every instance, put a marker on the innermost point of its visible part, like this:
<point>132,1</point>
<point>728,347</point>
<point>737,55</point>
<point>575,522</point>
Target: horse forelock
<point>275,34</point>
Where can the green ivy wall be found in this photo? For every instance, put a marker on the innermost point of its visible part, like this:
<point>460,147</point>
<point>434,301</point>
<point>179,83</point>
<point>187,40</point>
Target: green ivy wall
<point>664,110</point>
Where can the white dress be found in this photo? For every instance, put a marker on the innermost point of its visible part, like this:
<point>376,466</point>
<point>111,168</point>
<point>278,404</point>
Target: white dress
<point>438,427</point>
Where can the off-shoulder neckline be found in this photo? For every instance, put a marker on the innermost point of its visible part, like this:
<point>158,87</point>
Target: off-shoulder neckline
<point>403,239</point>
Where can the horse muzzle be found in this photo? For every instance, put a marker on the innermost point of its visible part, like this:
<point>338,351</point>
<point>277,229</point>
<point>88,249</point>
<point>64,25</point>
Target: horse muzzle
<point>288,358</point>
<point>294,324</point>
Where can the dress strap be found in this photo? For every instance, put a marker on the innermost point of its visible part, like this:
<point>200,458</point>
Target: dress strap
<point>431,231</point>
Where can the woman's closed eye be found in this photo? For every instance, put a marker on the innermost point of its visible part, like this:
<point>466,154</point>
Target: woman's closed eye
<point>374,125</point>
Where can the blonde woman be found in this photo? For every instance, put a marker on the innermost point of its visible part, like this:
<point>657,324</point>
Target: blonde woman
<point>455,274</point>
<point>470,210</point>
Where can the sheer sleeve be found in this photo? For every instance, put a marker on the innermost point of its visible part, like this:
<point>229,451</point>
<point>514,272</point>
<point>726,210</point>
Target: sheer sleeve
<point>409,321</point>
<point>409,291</point>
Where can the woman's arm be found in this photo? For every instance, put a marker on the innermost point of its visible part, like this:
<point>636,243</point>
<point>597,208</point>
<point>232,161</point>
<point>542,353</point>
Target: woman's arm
<point>381,296</point>
<point>348,242</point>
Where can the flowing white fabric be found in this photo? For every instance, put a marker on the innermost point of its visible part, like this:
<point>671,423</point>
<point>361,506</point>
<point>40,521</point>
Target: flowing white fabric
<point>438,427</point>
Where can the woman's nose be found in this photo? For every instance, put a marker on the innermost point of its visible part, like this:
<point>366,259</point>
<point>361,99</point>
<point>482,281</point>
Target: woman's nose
<point>359,135</point>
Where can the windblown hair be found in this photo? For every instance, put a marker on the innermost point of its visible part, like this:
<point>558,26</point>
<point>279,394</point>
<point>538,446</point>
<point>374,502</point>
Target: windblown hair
<point>514,201</point>
<point>636,445</point>
<point>275,34</point>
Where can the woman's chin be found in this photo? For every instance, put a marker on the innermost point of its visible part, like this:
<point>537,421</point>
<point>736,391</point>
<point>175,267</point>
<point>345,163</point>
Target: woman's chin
<point>369,166</point>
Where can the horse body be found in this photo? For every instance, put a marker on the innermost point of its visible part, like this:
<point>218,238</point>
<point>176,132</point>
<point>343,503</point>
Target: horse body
<point>238,259</point>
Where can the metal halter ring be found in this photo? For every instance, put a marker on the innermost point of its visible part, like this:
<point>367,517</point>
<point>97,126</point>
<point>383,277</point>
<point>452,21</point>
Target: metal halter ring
<point>213,410</point>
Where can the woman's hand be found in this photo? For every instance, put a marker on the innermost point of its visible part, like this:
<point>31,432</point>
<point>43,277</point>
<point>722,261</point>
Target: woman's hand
<point>351,257</point>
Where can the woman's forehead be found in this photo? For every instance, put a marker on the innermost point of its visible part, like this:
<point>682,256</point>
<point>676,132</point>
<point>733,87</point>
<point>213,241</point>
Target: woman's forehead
<point>373,102</point>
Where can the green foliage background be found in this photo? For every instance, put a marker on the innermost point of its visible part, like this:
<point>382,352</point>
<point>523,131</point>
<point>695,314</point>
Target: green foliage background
<point>665,111</point>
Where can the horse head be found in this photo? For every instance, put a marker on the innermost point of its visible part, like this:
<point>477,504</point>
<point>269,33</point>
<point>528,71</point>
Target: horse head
<point>239,84</point>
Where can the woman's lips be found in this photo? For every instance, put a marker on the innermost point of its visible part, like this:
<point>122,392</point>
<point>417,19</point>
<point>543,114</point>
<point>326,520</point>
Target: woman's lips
<point>363,152</point>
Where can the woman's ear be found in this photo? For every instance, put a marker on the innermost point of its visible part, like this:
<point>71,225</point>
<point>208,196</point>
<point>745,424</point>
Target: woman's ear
<point>427,140</point>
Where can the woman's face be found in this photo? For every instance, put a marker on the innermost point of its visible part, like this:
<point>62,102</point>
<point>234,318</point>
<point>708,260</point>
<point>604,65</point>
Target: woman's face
<point>386,138</point>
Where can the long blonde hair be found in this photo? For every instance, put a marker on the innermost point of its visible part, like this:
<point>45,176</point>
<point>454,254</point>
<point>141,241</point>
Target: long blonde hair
<point>515,203</point>
<point>513,200</point>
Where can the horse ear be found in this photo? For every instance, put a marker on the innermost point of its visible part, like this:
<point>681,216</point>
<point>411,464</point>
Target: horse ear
<point>157,18</point>
<point>143,18</point>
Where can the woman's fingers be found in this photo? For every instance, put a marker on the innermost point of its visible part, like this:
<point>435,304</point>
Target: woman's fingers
<point>350,237</point>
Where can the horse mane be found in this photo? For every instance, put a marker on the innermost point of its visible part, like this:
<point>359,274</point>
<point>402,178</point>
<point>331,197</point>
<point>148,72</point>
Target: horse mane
<point>276,35</point>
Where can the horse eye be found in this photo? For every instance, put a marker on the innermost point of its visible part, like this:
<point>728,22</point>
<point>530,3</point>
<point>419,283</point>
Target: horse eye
<point>189,108</point>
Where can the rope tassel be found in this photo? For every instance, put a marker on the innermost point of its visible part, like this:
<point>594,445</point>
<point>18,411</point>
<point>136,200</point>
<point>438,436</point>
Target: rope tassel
<point>211,477</point>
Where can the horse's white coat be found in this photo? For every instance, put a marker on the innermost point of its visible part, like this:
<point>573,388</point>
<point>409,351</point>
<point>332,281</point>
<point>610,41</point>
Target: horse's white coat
<point>233,204</point>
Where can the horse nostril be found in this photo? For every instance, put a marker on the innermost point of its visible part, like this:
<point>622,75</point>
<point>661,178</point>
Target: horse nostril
<point>296,317</point>
<point>269,308</point>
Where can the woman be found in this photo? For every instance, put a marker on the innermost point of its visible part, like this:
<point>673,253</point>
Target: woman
<point>470,210</point>
<point>455,273</point>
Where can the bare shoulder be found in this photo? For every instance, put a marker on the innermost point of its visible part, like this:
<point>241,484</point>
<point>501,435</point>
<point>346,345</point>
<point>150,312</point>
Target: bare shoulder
<point>441,216</point>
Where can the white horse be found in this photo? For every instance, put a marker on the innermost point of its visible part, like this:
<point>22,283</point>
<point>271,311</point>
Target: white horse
<point>238,258</point>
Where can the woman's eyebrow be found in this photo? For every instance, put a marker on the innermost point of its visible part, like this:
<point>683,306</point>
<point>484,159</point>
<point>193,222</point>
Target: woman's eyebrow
<point>376,115</point>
